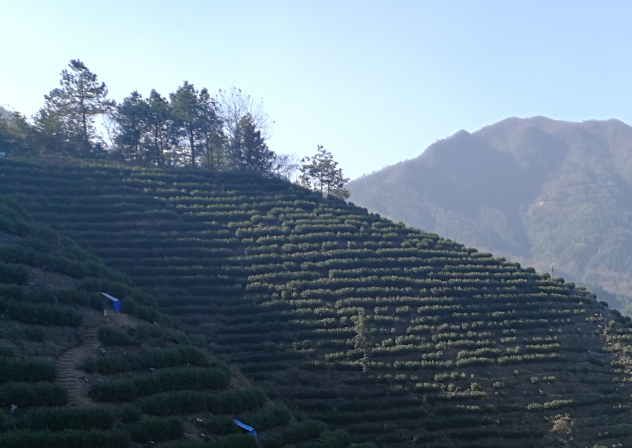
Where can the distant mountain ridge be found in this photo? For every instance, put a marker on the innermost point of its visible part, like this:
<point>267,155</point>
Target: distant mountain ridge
<point>537,190</point>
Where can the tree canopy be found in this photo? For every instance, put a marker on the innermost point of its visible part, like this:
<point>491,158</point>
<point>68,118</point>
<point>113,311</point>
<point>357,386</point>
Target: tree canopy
<point>70,110</point>
<point>320,172</point>
<point>228,131</point>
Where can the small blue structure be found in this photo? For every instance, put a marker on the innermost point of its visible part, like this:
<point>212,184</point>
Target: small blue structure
<point>248,428</point>
<point>116,303</point>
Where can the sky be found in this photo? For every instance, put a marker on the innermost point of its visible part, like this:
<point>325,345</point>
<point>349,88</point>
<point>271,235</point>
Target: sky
<point>374,82</point>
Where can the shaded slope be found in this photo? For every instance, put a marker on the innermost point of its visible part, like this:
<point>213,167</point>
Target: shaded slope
<point>72,377</point>
<point>538,190</point>
<point>457,349</point>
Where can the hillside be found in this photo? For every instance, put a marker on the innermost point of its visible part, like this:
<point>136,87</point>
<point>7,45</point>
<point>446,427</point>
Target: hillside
<point>536,190</point>
<point>393,334</point>
<point>71,377</point>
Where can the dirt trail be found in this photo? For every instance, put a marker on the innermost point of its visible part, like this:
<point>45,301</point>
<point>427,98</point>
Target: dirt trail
<point>68,364</point>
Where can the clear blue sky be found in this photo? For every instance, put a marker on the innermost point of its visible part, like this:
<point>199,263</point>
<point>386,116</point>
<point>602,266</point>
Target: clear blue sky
<point>375,82</point>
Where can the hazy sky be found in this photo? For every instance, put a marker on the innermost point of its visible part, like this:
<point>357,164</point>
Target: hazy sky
<point>375,82</point>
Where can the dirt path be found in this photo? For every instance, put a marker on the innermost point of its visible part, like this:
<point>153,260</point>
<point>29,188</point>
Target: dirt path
<point>69,363</point>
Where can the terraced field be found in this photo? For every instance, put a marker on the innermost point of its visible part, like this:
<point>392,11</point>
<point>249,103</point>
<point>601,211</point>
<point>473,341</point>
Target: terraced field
<point>391,333</point>
<point>71,377</point>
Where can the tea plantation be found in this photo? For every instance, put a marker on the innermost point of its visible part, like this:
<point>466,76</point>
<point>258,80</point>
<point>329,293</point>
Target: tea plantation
<point>396,335</point>
<point>71,377</point>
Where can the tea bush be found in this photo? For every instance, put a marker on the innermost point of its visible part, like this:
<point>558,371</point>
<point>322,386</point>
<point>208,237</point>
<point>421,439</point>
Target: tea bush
<point>58,419</point>
<point>65,439</point>
<point>111,335</point>
<point>33,394</point>
<point>164,380</point>
<point>26,369</point>
<point>157,429</point>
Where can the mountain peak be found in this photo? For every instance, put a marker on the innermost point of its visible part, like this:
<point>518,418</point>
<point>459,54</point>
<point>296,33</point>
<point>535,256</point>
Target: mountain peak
<point>536,189</point>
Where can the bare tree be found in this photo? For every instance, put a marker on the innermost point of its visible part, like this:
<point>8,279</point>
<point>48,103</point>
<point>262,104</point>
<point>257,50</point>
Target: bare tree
<point>235,104</point>
<point>286,166</point>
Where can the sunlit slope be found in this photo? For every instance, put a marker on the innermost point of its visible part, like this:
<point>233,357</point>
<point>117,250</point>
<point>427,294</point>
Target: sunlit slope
<point>71,377</point>
<point>457,348</point>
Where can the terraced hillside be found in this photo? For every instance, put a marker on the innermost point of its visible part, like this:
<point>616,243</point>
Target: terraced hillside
<point>71,377</point>
<point>394,334</point>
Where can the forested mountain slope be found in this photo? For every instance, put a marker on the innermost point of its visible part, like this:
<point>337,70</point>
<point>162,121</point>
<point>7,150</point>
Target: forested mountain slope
<point>536,190</point>
<point>71,377</point>
<point>394,334</point>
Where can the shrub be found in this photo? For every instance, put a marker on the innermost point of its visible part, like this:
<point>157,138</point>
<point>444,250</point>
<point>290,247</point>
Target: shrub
<point>184,378</point>
<point>64,439</point>
<point>266,420</point>
<point>58,419</point>
<point>38,314</point>
<point>307,429</point>
<point>233,402</point>
<point>178,402</point>
<point>235,441</point>
<point>29,395</point>
<point>129,414</point>
<point>27,369</point>
<point>156,358</point>
<point>157,429</point>
<point>184,444</point>
<point>110,335</point>
<point>225,425</point>
<point>13,273</point>
<point>34,334</point>
<point>331,439</point>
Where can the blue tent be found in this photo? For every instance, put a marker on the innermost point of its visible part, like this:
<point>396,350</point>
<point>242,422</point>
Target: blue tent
<point>116,303</point>
<point>248,428</point>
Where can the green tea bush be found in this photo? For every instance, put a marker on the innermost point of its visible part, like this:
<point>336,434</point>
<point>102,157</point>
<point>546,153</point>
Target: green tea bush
<point>35,334</point>
<point>277,416</point>
<point>183,444</point>
<point>26,369</point>
<point>195,378</point>
<point>65,439</point>
<point>223,425</point>
<point>129,414</point>
<point>13,273</point>
<point>110,335</point>
<point>29,395</point>
<point>234,402</point>
<point>177,402</point>
<point>154,358</point>
<point>305,430</point>
<point>58,419</point>
<point>157,429</point>
<point>38,314</point>
<point>235,441</point>
<point>331,439</point>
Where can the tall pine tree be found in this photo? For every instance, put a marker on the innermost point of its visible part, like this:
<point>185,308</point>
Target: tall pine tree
<point>185,110</point>
<point>248,150</point>
<point>73,107</point>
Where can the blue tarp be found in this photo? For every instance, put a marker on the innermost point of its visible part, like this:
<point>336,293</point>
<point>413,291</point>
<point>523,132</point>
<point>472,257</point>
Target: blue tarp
<point>116,303</point>
<point>248,428</point>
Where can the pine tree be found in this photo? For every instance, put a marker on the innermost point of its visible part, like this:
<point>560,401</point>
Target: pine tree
<point>212,139</point>
<point>248,150</point>
<point>159,125</point>
<point>131,118</point>
<point>185,112</point>
<point>321,173</point>
<point>74,106</point>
